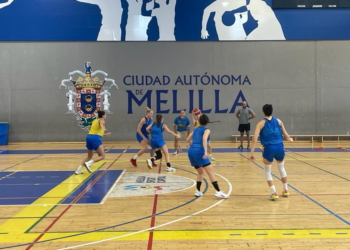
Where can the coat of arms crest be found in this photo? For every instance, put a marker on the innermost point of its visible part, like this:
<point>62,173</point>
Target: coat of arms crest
<point>88,94</point>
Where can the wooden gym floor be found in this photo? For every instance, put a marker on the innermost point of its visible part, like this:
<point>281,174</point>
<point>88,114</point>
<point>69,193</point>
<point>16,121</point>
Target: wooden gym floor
<point>43,205</point>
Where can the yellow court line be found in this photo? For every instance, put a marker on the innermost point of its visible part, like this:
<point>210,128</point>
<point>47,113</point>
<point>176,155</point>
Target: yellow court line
<point>39,208</point>
<point>188,235</point>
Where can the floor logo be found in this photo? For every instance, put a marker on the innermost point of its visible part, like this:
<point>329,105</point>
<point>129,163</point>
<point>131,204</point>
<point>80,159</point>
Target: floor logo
<point>88,94</point>
<point>135,184</point>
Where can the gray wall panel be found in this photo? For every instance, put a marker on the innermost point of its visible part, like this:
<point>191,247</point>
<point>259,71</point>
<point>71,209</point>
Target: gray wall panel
<point>5,110</point>
<point>333,112</point>
<point>307,82</point>
<point>333,64</point>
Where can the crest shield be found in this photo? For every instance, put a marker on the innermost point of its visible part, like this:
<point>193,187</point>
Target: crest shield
<point>88,99</point>
<point>86,95</point>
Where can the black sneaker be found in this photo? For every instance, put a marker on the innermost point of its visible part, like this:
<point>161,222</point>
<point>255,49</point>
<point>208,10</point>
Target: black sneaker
<point>248,147</point>
<point>240,147</point>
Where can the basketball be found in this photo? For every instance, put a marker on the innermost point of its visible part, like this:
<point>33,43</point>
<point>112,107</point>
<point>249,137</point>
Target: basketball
<point>196,111</point>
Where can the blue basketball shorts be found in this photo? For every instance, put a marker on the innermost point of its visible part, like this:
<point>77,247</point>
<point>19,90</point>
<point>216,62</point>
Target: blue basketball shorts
<point>195,155</point>
<point>157,143</point>
<point>273,151</point>
<point>139,138</point>
<point>93,142</point>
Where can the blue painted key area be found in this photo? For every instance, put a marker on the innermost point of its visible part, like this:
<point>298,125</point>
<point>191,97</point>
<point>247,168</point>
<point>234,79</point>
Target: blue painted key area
<point>24,187</point>
<point>95,191</point>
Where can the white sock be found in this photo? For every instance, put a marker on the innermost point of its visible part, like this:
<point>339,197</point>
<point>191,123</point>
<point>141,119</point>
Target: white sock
<point>273,189</point>
<point>79,168</point>
<point>285,186</point>
<point>135,157</point>
<point>90,162</point>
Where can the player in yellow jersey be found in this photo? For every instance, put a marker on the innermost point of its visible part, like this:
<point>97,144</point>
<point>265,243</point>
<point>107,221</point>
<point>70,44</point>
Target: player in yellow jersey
<point>94,142</point>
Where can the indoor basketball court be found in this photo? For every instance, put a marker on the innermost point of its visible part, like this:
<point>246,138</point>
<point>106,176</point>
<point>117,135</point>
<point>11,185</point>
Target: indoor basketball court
<point>89,87</point>
<point>44,205</point>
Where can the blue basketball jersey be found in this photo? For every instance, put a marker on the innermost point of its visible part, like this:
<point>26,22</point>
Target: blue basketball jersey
<point>157,131</point>
<point>144,126</point>
<point>197,137</point>
<point>271,133</point>
<point>182,124</point>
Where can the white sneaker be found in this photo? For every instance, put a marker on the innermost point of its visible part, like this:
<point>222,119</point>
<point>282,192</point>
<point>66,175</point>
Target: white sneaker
<point>79,170</point>
<point>170,169</point>
<point>198,193</point>
<point>212,158</point>
<point>220,194</point>
<point>175,153</point>
<point>149,163</point>
<point>87,165</point>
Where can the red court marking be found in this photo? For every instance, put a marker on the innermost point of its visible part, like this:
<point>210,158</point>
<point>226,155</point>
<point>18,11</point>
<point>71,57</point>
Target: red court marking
<point>154,211</point>
<point>319,148</point>
<point>74,201</point>
<point>342,148</point>
<point>109,149</point>
<point>153,222</point>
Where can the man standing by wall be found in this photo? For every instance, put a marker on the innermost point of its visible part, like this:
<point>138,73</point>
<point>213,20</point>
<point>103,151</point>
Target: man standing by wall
<point>182,128</point>
<point>244,115</point>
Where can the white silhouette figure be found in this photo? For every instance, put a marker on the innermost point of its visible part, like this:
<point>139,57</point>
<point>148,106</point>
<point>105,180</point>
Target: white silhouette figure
<point>237,31</point>
<point>106,94</point>
<point>234,32</point>
<point>136,27</point>
<point>111,11</point>
<point>70,95</point>
<point>165,15</point>
<point>2,5</point>
<point>269,27</point>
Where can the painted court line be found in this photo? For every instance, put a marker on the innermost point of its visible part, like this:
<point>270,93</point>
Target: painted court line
<point>336,233</point>
<point>328,172</point>
<point>112,188</point>
<point>134,150</point>
<point>56,197</point>
<point>21,163</point>
<point>151,228</point>
<point>224,215</point>
<point>153,222</point>
<point>154,211</point>
<point>213,234</point>
<point>60,237</point>
<point>306,196</point>
<point>36,209</point>
<point>54,204</point>
<point>6,176</point>
<point>74,201</point>
<point>106,151</point>
<point>75,186</point>
<point>97,231</point>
